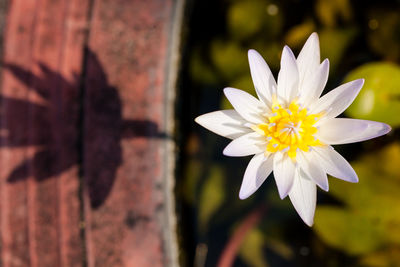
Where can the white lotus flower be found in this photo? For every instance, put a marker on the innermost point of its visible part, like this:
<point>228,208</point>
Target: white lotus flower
<point>289,129</point>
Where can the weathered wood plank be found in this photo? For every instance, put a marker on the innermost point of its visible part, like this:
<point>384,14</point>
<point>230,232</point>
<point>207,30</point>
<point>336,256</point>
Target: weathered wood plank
<point>125,133</point>
<point>76,27</point>
<point>126,115</point>
<point>14,205</point>
<point>40,210</point>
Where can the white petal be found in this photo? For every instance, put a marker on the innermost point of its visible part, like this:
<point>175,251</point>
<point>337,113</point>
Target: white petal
<point>227,123</point>
<point>288,76</point>
<point>248,144</point>
<point>312,88</point>
<point>337,100</point>
<point>343,131</point>
<point>312,169</point>
<point>259,168</point>
<point>334,164</point>
<point>308,59</point>
<point>304,197</point>
<point>263,79</point>
<point>284,170</point>
<point>250,108</point>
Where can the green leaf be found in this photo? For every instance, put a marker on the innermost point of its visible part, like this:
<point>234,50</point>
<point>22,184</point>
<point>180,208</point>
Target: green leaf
<point>370,218</point>
<point>347,230</point>
<point>380,97</point>
<point>379,179</point>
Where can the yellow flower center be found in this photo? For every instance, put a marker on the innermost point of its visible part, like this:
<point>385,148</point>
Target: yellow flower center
<point>289,130</point>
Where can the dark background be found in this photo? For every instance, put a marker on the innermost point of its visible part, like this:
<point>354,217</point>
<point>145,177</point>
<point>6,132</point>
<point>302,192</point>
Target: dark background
<point>355,224</point>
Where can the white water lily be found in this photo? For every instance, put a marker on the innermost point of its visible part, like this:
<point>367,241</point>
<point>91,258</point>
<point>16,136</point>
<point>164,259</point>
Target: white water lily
<point>290,129</point>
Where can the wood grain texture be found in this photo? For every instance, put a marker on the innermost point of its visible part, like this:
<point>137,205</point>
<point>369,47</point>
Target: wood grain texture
<point>83,133</point>
<point>40,102</point>
<point>124,116</point>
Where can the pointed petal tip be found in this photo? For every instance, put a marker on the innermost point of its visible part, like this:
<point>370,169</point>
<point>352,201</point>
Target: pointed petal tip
<point>198,119</point>
<point>325,185</point>
<point>242,195</point>
<point>354,179</point>
<point>356,85</point>
<point>283,194</point>
<point>378,128</point>
<point>203,120</point>
<point>325,188</point>
<point>228,90</point>
<point>381,128</point>
<point>309,222</point>
<point>257,171</point>
<point>254,57</point>
<point>287,49</point>
<point>359,82</point>
<point>314,36</point>
<point>284,172</point>
<point>229,152</point>
<point>245,145</point>
<point>252,52</point>
<point>386,128</point>
<point>307,219</point>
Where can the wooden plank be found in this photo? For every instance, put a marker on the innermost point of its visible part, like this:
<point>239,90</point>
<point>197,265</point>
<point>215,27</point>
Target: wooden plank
<point>14,205</point>
<point>125,102</point>
<point>40,208</point>
<point>69,99</point>
<point>127,198</point>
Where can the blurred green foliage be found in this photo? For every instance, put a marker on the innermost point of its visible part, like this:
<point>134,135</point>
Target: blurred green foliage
<point>384,34</point>
<point>225,53</point>
<point>368,220</point>
<point>212,195</point>
<point>355,224</point>
<point>252,248</point>
<point>334,43</point>
<point>380,97</point>
<point>331,13</point>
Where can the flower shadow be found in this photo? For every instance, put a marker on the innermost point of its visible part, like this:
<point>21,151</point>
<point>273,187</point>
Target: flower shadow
<point>66,133</point>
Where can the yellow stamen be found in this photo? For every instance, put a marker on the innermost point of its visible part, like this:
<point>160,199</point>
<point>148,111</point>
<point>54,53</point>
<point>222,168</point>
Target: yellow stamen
<point>289,129</point>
